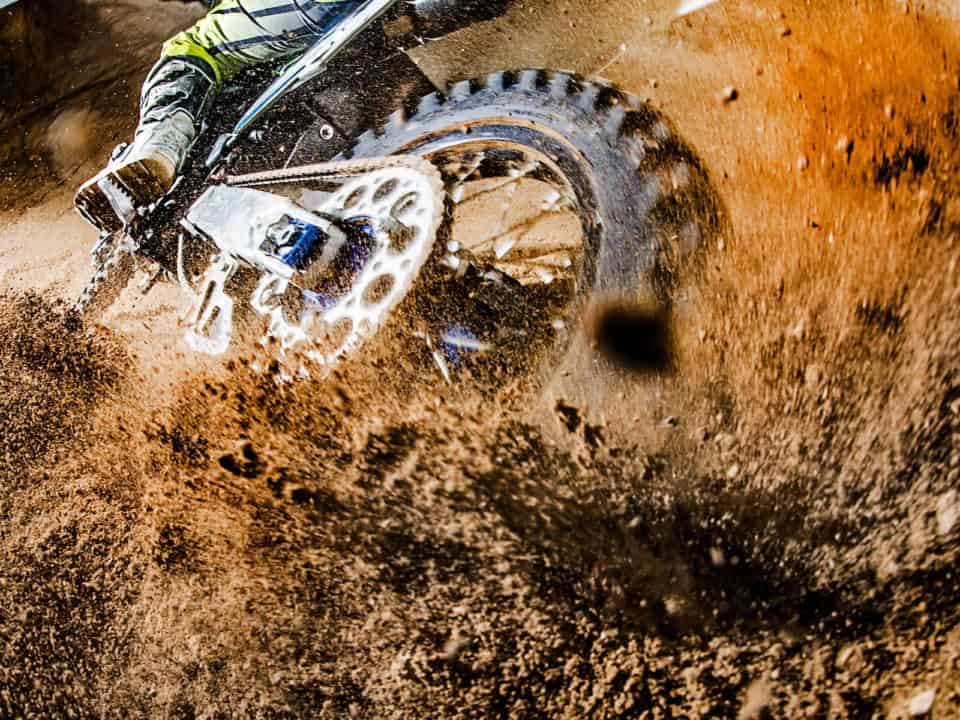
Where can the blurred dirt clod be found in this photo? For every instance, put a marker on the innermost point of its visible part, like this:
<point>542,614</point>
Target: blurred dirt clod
<point>455,645</point>
<point>728,94</point>
<point>922,703</point>
<point>636,337</point>
<point>569,416</point>
<point>948,511</point>
<point>71,138</point>
<point>844,144</point>
<point>756,701</point>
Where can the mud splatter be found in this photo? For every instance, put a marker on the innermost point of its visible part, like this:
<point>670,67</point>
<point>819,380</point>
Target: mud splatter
<point>771,534</point>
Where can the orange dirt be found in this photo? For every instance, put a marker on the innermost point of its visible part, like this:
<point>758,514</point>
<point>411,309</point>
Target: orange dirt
<point>773,533</point>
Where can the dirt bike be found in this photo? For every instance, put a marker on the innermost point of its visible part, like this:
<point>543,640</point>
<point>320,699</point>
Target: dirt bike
<point>492,210</point>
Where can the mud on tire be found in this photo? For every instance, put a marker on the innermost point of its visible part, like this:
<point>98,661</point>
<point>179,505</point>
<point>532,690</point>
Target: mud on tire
<point>644,198</point>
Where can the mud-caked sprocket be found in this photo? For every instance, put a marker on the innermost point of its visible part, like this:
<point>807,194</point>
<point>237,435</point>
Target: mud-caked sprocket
<point>334,248</point>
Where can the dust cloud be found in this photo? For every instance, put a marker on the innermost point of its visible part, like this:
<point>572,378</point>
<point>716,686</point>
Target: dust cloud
<point>772,532</point>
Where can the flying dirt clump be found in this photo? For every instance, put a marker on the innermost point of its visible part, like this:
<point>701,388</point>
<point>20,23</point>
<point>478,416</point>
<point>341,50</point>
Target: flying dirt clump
<point>638,337</point>
<point>71,138</point>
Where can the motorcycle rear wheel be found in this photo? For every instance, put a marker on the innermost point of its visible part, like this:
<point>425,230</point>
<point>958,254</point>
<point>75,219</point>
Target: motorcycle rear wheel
<point>642,198</point>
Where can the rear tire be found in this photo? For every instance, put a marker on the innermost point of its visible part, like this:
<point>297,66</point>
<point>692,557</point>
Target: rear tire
<point>643,197</point>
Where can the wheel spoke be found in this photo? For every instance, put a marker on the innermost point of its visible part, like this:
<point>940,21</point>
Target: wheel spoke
<point>514,212</point>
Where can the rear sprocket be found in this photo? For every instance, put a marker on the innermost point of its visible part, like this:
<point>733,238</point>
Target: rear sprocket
<point>398,200</point>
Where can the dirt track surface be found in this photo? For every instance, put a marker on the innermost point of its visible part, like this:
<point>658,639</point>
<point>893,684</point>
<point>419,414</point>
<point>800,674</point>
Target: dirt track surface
<point>773,532</point>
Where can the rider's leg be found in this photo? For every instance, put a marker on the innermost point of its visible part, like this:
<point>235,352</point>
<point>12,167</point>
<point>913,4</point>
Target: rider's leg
<point>235,35</point>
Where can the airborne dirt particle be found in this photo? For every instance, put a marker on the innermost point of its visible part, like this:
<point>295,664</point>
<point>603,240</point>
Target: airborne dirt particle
<point>921,703</point>
<point>756,701</point>
<point>728,94</point>
<point>948,511</point>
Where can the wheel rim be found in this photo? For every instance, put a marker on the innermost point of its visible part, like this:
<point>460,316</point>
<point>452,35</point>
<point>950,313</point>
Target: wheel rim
<point>513,209</point>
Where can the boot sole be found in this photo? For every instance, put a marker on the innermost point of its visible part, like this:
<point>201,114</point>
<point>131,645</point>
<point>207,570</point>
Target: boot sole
<point>139,182</point>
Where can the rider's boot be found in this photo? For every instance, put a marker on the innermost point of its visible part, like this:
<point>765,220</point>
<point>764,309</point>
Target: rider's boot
<point>175,96</point>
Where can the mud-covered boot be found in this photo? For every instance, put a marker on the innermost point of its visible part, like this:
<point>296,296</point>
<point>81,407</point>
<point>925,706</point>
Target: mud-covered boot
<point>175,96</point>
